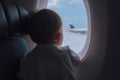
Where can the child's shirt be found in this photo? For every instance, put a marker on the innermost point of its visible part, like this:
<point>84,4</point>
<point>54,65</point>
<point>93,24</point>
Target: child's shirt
<point>49,62</point>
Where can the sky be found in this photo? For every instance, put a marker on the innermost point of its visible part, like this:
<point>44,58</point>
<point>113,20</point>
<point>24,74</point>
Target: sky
<point>71,12</point>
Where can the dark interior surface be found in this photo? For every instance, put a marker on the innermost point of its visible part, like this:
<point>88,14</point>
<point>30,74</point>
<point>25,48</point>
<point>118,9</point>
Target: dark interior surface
<point>111,66</point>
<point>12,43</point>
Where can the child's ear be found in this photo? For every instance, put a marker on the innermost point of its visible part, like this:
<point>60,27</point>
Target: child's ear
<point>59,39</point>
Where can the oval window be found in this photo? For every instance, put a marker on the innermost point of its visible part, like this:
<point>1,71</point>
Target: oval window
<point>75,26</point>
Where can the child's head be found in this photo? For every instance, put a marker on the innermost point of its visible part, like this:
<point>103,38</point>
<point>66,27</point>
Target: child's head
<point>45,27</point>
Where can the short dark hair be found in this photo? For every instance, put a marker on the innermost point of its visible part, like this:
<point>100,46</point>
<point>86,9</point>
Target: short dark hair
<point>44,25</point>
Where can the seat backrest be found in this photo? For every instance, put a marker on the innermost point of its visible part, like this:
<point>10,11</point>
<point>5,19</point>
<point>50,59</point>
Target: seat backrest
<point>12,43</point>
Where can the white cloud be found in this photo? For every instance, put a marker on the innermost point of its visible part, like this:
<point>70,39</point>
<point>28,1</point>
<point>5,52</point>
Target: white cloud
<point>75,1</point>
<point>53,3</point>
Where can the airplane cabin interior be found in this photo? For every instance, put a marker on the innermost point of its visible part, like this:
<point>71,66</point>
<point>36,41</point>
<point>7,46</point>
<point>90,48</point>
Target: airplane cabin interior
<point>101,60</point>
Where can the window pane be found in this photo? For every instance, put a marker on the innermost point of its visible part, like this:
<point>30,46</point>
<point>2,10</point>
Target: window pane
<point>74,17</point>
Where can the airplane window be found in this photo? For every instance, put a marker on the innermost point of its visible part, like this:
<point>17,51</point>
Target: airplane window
<point>75,25</point>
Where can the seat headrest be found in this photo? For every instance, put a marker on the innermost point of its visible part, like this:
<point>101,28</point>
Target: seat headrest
<point>11,17</point>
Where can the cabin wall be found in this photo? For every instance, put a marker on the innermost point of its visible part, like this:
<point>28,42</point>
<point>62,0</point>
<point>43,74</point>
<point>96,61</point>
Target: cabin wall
<point>111,67</point>
<point>91,66</point>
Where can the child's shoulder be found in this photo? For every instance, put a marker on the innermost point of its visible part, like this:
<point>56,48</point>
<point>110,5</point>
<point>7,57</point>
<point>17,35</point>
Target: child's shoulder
<point>64,48</point>
<point>68,50</point>
<point>69,53</point>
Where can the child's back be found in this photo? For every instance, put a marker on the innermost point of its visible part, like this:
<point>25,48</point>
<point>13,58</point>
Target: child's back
<point>47,61</point>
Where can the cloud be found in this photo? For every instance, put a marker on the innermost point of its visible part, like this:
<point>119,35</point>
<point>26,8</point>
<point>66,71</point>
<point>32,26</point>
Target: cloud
<point>75,1</point>
<point>53,3</point>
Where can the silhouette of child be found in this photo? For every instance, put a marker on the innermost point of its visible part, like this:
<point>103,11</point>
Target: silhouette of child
<point>47,61</point>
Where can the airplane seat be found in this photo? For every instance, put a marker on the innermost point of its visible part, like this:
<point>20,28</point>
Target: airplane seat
<point>13,46</point>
